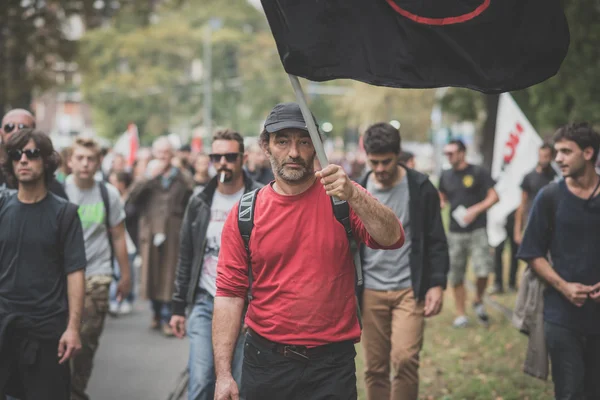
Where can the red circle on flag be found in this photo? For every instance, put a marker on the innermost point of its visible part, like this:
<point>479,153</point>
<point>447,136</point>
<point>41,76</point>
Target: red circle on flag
<point>444,12</point>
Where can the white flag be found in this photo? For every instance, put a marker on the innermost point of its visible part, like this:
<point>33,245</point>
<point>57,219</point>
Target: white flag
<point>516,148</point>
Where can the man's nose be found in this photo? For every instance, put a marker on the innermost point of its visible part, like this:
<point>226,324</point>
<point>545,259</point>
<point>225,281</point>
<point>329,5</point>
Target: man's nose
<point>293,150</point>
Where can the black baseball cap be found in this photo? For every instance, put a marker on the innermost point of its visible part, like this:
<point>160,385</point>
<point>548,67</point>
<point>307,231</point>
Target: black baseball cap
<point>286,116</point>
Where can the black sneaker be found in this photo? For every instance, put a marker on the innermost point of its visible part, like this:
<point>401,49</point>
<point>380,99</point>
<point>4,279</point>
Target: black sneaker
<point>481,314</point>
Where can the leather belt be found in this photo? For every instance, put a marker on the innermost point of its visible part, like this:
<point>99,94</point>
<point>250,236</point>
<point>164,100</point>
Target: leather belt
<point>300,353</point>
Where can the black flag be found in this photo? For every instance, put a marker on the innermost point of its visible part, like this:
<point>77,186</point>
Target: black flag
<point>488,45</point>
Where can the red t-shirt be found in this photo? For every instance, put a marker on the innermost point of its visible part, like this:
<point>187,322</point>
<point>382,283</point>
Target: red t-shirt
<point>303,288</point>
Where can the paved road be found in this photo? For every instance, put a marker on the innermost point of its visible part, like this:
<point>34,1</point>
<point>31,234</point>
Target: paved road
<point>134,362</point>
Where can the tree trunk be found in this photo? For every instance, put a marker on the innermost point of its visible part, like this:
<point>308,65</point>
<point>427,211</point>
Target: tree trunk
<point>489,129</point>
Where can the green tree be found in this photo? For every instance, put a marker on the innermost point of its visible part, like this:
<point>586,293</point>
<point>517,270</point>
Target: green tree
<point>570,95</point>
<point>35,38</point>
<point>146,74</point>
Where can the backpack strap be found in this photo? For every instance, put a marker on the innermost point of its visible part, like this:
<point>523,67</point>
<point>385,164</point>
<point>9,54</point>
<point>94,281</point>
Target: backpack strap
<point>245,225</point>
<point>550,197</point>
<point>341,210</point>
<point>65,218</point>
<point>106,201</point>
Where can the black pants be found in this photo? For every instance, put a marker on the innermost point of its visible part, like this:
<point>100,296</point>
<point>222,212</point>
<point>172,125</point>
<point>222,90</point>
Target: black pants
<point>29,370</point>
<point>514,263</point>
<point>575,362</point>
<point>267,375</point>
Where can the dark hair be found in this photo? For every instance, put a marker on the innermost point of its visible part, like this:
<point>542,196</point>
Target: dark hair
<point>405,156</point>
<point>123,177</point>
<point>228,134</point>
<point>580,133</point>
<point>17,141</point>
<point>459,143</point>
<point>382,138</point>
<point>547,146</point>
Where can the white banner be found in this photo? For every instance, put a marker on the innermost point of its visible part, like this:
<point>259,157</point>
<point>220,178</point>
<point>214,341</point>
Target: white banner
<point>516,148</point>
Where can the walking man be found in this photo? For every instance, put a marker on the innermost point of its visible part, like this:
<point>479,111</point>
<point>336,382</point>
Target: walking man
<point>404,286</point>
<point>532,183</point>
<point>470,191</point>
<point>565,223</point>
<point>302,315</point>
<point>160,200</point>
<point>103,220</point>
<point>195,286</point>
<point>42,286</point>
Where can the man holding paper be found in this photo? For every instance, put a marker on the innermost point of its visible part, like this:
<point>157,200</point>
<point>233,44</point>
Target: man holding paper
<point>470,191</point>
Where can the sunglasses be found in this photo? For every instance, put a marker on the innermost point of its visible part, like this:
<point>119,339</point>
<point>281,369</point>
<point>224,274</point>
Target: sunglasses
<point>229,157</point>
<point>31,154</point>
<point>8,128</point>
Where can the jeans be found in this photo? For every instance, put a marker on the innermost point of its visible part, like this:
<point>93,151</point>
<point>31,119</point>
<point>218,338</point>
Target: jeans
<point>575,362</point>
<point>201,363</point>
<point>162,311</point>
<point>117,272</point>
<point>514,263</point>
<point>272,376</point>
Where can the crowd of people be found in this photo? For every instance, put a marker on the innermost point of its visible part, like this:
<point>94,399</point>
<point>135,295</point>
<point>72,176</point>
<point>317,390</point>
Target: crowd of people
<point>243,251</point>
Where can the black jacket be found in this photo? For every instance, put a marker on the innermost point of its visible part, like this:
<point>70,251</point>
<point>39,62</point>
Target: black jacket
<point>193,242</point>
<point>429,259</point>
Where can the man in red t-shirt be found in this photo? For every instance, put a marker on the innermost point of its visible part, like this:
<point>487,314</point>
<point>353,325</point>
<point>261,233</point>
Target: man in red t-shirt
<point>302,320</point>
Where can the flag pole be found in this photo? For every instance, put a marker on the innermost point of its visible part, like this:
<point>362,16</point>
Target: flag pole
<point>310,122</point>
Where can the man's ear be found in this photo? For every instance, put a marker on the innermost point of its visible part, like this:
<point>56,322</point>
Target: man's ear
<point>588,153</point>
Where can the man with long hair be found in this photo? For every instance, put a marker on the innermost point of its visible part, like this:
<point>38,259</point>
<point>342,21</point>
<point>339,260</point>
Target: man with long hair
<point>42,262</point>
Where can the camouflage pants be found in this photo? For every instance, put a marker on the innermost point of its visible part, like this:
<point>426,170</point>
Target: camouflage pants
<point>94,312</point>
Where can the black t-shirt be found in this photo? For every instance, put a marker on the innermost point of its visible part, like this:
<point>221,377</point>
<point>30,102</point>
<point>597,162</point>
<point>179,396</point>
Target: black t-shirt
<point>33,266</point>
<point>534,181</point>
<point>574,250</point>
<point>467,188</point>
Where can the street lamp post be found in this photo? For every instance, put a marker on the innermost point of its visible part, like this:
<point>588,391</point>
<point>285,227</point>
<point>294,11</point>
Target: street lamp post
<point>213,24</point>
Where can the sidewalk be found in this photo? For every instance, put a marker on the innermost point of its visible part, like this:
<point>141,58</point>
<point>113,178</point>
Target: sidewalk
<point>134,362</point>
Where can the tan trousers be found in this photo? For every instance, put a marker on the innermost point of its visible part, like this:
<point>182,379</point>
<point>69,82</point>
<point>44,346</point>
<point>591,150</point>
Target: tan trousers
<point>393,325</point>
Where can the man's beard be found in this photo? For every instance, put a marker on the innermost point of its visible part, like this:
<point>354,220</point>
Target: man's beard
<point>296,175</point>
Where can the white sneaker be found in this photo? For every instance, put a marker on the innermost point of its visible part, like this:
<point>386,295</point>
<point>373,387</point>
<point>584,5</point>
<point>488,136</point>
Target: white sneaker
<point>461,321</point>
<point>113,308</point>
<point>125,308</point>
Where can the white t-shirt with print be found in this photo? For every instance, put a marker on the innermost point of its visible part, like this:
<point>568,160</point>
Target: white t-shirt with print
<point>219,210</point>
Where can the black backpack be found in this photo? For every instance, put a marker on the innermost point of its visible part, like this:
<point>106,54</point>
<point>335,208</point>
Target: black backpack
<point>341,210</point>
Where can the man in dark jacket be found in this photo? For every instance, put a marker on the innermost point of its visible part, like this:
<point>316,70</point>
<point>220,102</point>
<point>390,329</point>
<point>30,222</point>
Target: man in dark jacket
<point>197,267</point>
<point>403,286</point>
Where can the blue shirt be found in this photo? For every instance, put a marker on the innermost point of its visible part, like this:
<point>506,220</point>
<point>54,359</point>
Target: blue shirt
<point>574,247</point>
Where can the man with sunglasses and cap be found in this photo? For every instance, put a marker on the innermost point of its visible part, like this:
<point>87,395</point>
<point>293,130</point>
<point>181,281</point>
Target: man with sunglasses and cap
<point>42,263</point>
<point>12,122</point>
<point>195,286</point>
<point>302,315</point>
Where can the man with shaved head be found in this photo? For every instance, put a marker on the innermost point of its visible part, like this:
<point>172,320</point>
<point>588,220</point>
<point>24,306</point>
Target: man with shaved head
<point>12,122</point>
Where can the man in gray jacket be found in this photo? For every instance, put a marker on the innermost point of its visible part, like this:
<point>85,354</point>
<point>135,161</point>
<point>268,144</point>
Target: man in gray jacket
<point>195,284</point>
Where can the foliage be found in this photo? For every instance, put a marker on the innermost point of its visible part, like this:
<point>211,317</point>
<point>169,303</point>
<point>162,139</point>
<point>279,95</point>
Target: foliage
<point>568,96</point>
<point>37,35</point>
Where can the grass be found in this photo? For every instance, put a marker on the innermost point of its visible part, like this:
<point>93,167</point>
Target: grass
<point>472,363</point>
